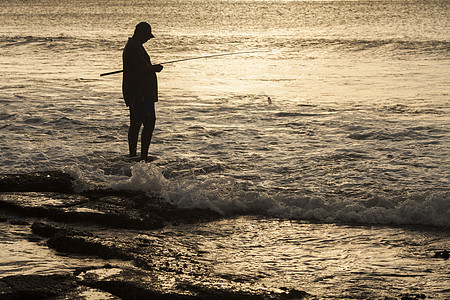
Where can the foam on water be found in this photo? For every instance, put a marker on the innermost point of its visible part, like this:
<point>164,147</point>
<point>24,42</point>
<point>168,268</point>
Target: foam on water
<point>256,159</point>
<point>231,196</point>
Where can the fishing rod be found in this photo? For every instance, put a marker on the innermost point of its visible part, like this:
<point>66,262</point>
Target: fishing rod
<point>192,58</point>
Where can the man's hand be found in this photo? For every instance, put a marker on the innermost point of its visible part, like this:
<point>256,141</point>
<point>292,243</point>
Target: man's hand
<point>157,68</point>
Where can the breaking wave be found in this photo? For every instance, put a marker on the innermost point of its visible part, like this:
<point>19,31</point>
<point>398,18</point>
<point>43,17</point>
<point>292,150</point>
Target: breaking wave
<point>382,46</point>
<point>373,45</point>
<point>57,43</point>
<point>231,197</point>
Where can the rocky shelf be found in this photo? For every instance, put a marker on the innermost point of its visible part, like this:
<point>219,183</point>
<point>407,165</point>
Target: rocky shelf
<point>65,220</point>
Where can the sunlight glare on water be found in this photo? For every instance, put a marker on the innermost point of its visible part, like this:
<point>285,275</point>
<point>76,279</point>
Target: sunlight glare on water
<point>324,259</point>
<point>23,253</point>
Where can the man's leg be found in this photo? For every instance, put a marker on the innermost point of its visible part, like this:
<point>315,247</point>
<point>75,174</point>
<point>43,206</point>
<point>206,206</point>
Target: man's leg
<point>147,131</point>
<point>133,134</point>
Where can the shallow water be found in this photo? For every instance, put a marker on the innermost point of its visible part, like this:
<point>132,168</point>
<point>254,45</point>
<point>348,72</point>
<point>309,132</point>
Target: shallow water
<point>326,260</point>
<point>357,131</point>
<point>23,253</point>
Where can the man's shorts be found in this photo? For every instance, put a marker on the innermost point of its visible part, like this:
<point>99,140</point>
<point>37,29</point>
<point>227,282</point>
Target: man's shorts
<point>142,111</point>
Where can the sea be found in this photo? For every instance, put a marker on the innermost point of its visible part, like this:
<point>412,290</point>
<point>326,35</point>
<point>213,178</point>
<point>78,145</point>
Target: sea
<point>322,137</point>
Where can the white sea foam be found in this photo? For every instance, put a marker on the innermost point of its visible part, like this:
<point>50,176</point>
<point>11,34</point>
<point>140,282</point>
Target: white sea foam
<point>144,177</point>
<point>232,197</point>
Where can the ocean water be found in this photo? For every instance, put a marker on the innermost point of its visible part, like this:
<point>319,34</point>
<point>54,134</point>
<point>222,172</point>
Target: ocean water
<point>355,136</point>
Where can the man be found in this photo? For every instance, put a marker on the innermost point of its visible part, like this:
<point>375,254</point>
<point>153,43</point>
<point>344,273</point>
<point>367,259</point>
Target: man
<point>140,89</point>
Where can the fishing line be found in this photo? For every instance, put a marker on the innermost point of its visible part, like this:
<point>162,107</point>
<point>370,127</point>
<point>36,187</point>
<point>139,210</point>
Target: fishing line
<point>192,58</point>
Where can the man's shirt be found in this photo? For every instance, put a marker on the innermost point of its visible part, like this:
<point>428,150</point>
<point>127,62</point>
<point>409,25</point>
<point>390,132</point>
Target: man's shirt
<point>137,82</point>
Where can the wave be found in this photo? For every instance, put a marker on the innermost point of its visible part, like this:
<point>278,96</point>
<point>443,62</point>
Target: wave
<point>64,121</point>
<point>386,135</point>
<point>57,42</point>
<point>404,109</point>
<point>294,44</point>
<point>412,133</point>
<point>374,46</point>
<point>6,116</point>
<point>418,209</point>
<point>236,197</point>
<point>192,43</point>
<point>395,45</point>
<point>231,197</point>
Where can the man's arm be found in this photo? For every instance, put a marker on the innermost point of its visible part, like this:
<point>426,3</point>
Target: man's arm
<point>154,68</point>
<point>144,67</point>
<point>140,61</point>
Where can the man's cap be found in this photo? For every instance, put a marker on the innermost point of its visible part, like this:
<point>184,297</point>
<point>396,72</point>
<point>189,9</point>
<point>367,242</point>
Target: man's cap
<point>144,27</point>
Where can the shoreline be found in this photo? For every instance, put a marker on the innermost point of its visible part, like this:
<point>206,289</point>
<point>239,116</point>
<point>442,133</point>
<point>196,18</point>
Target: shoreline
<point>86,224</point>
<point>66,221</point>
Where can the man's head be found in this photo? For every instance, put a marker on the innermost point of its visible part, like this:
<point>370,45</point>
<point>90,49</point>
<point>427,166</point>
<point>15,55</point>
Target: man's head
<point>143,32</point>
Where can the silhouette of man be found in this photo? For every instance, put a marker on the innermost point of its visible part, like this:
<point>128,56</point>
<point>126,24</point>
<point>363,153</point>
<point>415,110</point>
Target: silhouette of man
<point>140,89</point>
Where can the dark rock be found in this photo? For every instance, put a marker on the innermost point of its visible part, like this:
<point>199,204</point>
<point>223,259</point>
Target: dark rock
<point>46,205</point>
<point>118,209</point>
<point>19,222</point>
<point>111,282</point>
<point>296,294</point>
<point>35,286</point>
<point>44,229</point>
<point>51,181</point>
<point>160,271</point>
<point>50,229</point>
<point>128,283</point>
<point>34,239</point>
<point>84,243</point>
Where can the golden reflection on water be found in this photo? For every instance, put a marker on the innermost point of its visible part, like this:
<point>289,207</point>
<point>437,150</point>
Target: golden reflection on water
<point>322,258</point>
